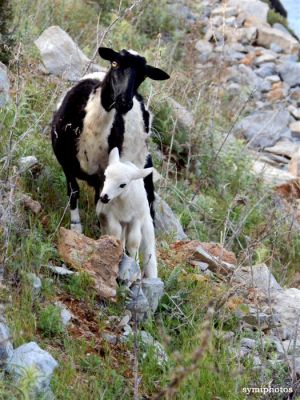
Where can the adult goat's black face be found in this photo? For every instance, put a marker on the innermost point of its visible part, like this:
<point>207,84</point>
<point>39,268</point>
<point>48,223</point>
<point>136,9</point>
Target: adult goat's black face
<point>128,70</point>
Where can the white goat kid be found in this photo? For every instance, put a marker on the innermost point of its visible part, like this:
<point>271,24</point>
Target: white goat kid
<point>124,210</point>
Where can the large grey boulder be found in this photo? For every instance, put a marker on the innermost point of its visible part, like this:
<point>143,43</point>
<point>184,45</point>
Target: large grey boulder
<point>251,9</point>
<point>6,348</point>
<point>257,276</point>
<point>264,128</point>
<point>166,221</point>
<point>290,73</point>
<point>31,357</point>
<point>269,36</point>
<point>61,56</point>
<point>4,85</point>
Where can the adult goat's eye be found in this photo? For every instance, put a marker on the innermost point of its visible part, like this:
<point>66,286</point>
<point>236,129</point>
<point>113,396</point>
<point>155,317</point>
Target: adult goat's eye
<point>122,185</point>
<point>114,64</point>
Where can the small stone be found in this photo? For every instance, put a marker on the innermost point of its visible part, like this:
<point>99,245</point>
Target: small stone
<point>265,58</point>
<point>296,113</point>
<point>290,73</point>
<point>109,338</point>
<point>225,11</point>
<point>138,303</point>
<point>183,116</point>
<point>266,70</point>
<point>166,222</point>
<point>31,356</point>
<point>129,271</point>
<point>273,78</point>
<point>62,271</point>
<point>27,162</point>
<point>35,282</point>
<point>65,315</point>
<point>249,343</point>
<point>4,85</point>
<point>31,204</point>
<point>147,340</point>
<point>256,361</point>
<point>295,128</point>
<point>153,289</point>
<point>6,347</point>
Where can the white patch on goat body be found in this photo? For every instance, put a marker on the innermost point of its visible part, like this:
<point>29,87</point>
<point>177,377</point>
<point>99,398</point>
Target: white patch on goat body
<point>135,138</point>
<point>94,75</point>
<point>93,144</point>
<point>133,52</point>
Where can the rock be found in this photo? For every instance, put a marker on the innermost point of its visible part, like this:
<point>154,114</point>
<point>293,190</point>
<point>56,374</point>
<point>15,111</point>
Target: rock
<point>225,11</point>
<point>295,94</point>
<point>31,204</point>
<point>206,50</point>
<point>279,92</point>
<point>281,28</point>
<point>148,341</point>
<point>267,36</point>
<point>166,222</point>
<point>109,338</point>
<point>253,10</point>
<point>35,282</point>
<point>264,128</point>
<point>31,356</point>
<point>65,314</point>
<point>266,70</point>
<point>138,303</point>
<point>129,271</point>
<point>284,148</point>
<point>99,258</point>
<point>4,85</point>
<point>259,276</point>
<point>274,47</point>
<point>61,56</point>
<point>286,303</point>
<point>248,343</point>
<point>183,116</point>
<point>265,58</point>
<point>290,73</point>
<point>271,175</point>
<point>295,112</point>
<point>62,271</point>
<point>295,128</point>
<point>273,78</point>
<point>28,162</point>
<point>220,261</point>
<point>153,289</point>
<point>6,347</point>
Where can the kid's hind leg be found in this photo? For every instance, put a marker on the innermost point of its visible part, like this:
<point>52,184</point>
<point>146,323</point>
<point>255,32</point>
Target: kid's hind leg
<point>148,249</point>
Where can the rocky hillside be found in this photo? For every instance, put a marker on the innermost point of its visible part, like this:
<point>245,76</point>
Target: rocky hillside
<point>221,322</point>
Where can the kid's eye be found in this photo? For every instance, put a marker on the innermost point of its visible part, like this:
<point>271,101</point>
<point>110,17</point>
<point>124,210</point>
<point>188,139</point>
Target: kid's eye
<point>122,185</point>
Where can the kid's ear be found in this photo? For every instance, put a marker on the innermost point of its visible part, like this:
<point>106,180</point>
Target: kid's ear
<point>114,156</point>
<point>142,173</point>
<point>156,74</point>
<point>107,53</point>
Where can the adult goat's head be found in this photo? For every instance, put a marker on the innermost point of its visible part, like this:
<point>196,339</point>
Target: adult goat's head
<point>128,70</point>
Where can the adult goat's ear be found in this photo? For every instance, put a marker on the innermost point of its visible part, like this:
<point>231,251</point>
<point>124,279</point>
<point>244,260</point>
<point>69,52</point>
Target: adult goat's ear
<point>114,156</point>
<point>156,74</point>
<point>107,53</point>
<point>142,173</point>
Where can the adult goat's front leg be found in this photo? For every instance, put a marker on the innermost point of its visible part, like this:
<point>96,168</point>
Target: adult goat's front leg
<point>73,193</point>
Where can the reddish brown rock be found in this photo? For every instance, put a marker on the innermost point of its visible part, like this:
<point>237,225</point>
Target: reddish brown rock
<point>219,259</point>
<point>99,258</point>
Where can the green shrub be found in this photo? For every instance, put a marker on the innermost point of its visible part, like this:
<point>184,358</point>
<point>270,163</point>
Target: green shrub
<point>50,322</point>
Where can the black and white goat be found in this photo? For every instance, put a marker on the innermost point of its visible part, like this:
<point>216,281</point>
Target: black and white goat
<point>97,115</point>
